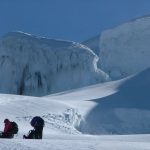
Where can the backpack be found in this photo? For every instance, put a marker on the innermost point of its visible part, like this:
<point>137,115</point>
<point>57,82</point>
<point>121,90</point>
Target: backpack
<point>37,121</point>
<point>14,128</point>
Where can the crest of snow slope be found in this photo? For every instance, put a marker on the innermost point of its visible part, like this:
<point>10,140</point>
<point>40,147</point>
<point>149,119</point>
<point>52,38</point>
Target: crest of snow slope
<point>125,50</point>
<point>118,107</point>
<point>93,44</point>
<point>38,66</point>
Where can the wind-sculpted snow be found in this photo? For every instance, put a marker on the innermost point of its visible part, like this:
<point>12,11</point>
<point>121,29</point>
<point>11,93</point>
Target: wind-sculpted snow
<point>38,66</point>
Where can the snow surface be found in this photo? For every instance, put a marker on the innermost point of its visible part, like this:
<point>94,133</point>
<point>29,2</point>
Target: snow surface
<point>134,142</point>
<point>117,107</point>
<point>38,66</point>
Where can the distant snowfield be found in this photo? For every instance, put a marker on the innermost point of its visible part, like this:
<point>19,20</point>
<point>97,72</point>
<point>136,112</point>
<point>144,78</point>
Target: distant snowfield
<point>118,107</point>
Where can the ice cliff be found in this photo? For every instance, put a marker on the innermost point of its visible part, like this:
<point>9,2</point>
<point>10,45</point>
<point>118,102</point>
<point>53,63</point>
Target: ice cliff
<point>31,65</point>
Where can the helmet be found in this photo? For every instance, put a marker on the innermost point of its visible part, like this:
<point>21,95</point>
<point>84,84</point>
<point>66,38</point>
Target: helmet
<point>6,120</point>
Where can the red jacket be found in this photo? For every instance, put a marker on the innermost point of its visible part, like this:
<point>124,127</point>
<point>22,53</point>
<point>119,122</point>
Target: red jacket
<point>8,127</point>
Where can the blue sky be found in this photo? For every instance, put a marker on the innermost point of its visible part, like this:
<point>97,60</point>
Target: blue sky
<point>75,20</point>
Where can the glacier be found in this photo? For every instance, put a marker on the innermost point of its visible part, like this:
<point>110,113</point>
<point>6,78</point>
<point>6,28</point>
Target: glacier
<point>31,65</point>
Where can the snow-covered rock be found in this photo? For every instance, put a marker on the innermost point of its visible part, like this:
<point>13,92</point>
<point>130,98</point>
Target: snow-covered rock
<point>38,66</point>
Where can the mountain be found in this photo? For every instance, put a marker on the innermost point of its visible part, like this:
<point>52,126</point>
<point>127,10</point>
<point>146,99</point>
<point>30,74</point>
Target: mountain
<point>124,50</point>
<point>38,66</point>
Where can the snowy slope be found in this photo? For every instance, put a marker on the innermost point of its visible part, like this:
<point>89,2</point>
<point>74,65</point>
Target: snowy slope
<point>38,66</point>
<point>125,49</point>
<point>23,108</point>
<point>119,107</point>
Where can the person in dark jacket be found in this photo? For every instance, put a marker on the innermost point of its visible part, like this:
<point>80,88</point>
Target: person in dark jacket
<point>37,123</point>
<point>7,133</point>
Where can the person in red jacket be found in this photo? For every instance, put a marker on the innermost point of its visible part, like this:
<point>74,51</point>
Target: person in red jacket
<point>7,133</point>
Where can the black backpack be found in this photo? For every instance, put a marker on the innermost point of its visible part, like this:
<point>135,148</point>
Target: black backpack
<point>14,128</point>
